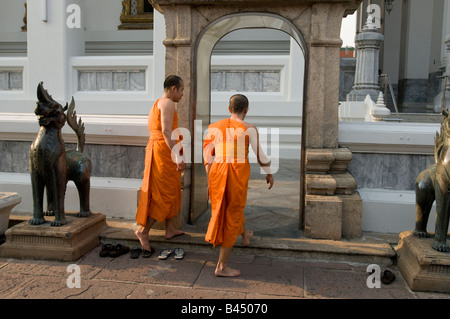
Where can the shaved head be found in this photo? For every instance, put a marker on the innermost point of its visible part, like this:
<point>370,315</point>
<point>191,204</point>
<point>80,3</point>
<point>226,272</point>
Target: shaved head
<point>238,103</point>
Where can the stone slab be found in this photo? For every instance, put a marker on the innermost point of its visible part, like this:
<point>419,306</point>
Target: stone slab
<point>323,217</point>
<point>65,243</point>
<point>423,268</point>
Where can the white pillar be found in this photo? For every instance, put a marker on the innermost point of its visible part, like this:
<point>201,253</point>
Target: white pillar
<point>159,54</point>
<point>439,101</point>
<point>445,29</point>
<point>368,44</point>
<point>444,62</point>
<point>54,36</point>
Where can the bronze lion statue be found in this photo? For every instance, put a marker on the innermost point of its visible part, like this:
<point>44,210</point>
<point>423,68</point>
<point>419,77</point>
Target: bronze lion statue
<point>52,166</point>
<point>433,184</point>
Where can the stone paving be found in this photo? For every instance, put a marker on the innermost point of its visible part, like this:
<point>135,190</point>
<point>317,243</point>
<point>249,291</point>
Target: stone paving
<point>193,278</point>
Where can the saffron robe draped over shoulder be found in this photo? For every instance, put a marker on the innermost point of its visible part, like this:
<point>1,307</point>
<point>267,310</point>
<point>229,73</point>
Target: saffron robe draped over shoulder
<point>226,146</point>
<point>160,196</point>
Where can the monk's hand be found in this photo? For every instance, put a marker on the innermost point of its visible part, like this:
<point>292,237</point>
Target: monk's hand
<point>179,160</point>
<point>269,180</point>
<point>181,166</point>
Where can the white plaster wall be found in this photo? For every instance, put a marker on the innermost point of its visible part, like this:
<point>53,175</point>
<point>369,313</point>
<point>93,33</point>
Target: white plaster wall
<point>392,42</point>
<point>109,18</point>
<point>102,17</point>
<point>11,16</point>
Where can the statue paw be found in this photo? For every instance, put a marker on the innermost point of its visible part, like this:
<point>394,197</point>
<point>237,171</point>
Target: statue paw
<point>84,214</point>
<point>421,234</point>
<point>36,221</point>
<point>440,246</point>
<point>58,222</point>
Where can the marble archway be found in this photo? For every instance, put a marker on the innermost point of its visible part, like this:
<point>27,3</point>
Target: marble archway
<point>327,191</point>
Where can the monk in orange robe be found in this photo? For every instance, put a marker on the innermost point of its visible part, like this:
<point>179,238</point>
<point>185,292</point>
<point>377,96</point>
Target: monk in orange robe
<point>160,198</point>
<point>226,159</point>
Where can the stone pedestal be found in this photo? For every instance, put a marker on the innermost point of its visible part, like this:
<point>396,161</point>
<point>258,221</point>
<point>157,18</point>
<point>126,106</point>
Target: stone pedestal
<point>65,243</point>
<point>423,268</point>
<point>7,202</point>
<point>323,218</point>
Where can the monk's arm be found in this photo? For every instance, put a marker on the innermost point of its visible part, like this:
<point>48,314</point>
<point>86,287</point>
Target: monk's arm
<point>262,158</point>
<point>167,114</point>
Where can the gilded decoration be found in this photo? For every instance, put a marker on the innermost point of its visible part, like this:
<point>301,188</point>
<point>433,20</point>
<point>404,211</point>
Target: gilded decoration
<point>136,15</point>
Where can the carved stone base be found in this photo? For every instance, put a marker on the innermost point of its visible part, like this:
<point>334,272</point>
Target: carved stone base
<point>423,268</point>
<point>65,243</point>
<point>333,206</point>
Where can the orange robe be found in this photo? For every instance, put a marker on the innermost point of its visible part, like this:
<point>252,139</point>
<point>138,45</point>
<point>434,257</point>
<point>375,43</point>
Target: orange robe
<point>160,196</point>
<point>227,142</point>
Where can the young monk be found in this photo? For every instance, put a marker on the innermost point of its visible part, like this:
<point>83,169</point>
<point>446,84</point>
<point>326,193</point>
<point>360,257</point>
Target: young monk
<point>160,198</point>
<point>226,158</point>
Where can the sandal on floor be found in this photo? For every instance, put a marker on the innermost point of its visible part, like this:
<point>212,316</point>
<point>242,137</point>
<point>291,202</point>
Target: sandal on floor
<point>119,250</point>
<point>106,249</point>
<point>388,277</point>
<point>147,253</point>
<point>179,253</point>
<point>165,253</point>
<point>135,252</point>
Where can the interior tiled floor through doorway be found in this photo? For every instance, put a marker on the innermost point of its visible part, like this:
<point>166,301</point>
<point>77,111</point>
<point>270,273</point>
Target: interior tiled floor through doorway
<point>269,213</point>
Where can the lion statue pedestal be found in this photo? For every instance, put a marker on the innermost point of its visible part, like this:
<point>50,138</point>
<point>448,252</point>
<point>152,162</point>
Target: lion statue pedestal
<point>424,268</point>
<point>424,258</point>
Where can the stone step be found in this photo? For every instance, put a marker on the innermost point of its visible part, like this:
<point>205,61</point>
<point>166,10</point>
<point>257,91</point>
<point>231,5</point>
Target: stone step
<point>371,248</point>
<point>367,250</point>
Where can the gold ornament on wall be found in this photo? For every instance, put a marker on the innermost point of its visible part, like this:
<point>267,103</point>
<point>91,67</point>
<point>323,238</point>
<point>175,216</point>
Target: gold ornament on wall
<point>136,15</point>
<point>24,28</point>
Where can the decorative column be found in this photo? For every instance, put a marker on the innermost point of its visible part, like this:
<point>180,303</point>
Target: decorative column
<point>368,44</point>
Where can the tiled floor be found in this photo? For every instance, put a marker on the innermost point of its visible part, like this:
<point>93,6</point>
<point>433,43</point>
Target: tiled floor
<point>274,212</point>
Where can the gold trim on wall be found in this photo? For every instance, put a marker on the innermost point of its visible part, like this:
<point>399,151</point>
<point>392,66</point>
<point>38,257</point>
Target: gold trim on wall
<point>138,21</point>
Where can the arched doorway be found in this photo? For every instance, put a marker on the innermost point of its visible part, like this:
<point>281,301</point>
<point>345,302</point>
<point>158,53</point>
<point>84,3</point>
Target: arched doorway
<point>207,40</point>
<point>328,200</point>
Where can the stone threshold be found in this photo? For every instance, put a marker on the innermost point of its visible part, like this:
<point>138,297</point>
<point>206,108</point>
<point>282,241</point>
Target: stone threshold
<point>372,248</point>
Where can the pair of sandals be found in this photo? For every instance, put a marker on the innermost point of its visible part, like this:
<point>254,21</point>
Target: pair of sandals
<point>109,250</point>
<point>163,255</point>
<point>135,252</point>
<point>178,253</point>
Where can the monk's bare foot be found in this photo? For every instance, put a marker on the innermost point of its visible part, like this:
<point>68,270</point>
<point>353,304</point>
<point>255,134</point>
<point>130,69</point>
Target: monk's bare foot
<point>227,272</point>
<point>173,233</point>
<point>247,237</point>
<point>143,238</point>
